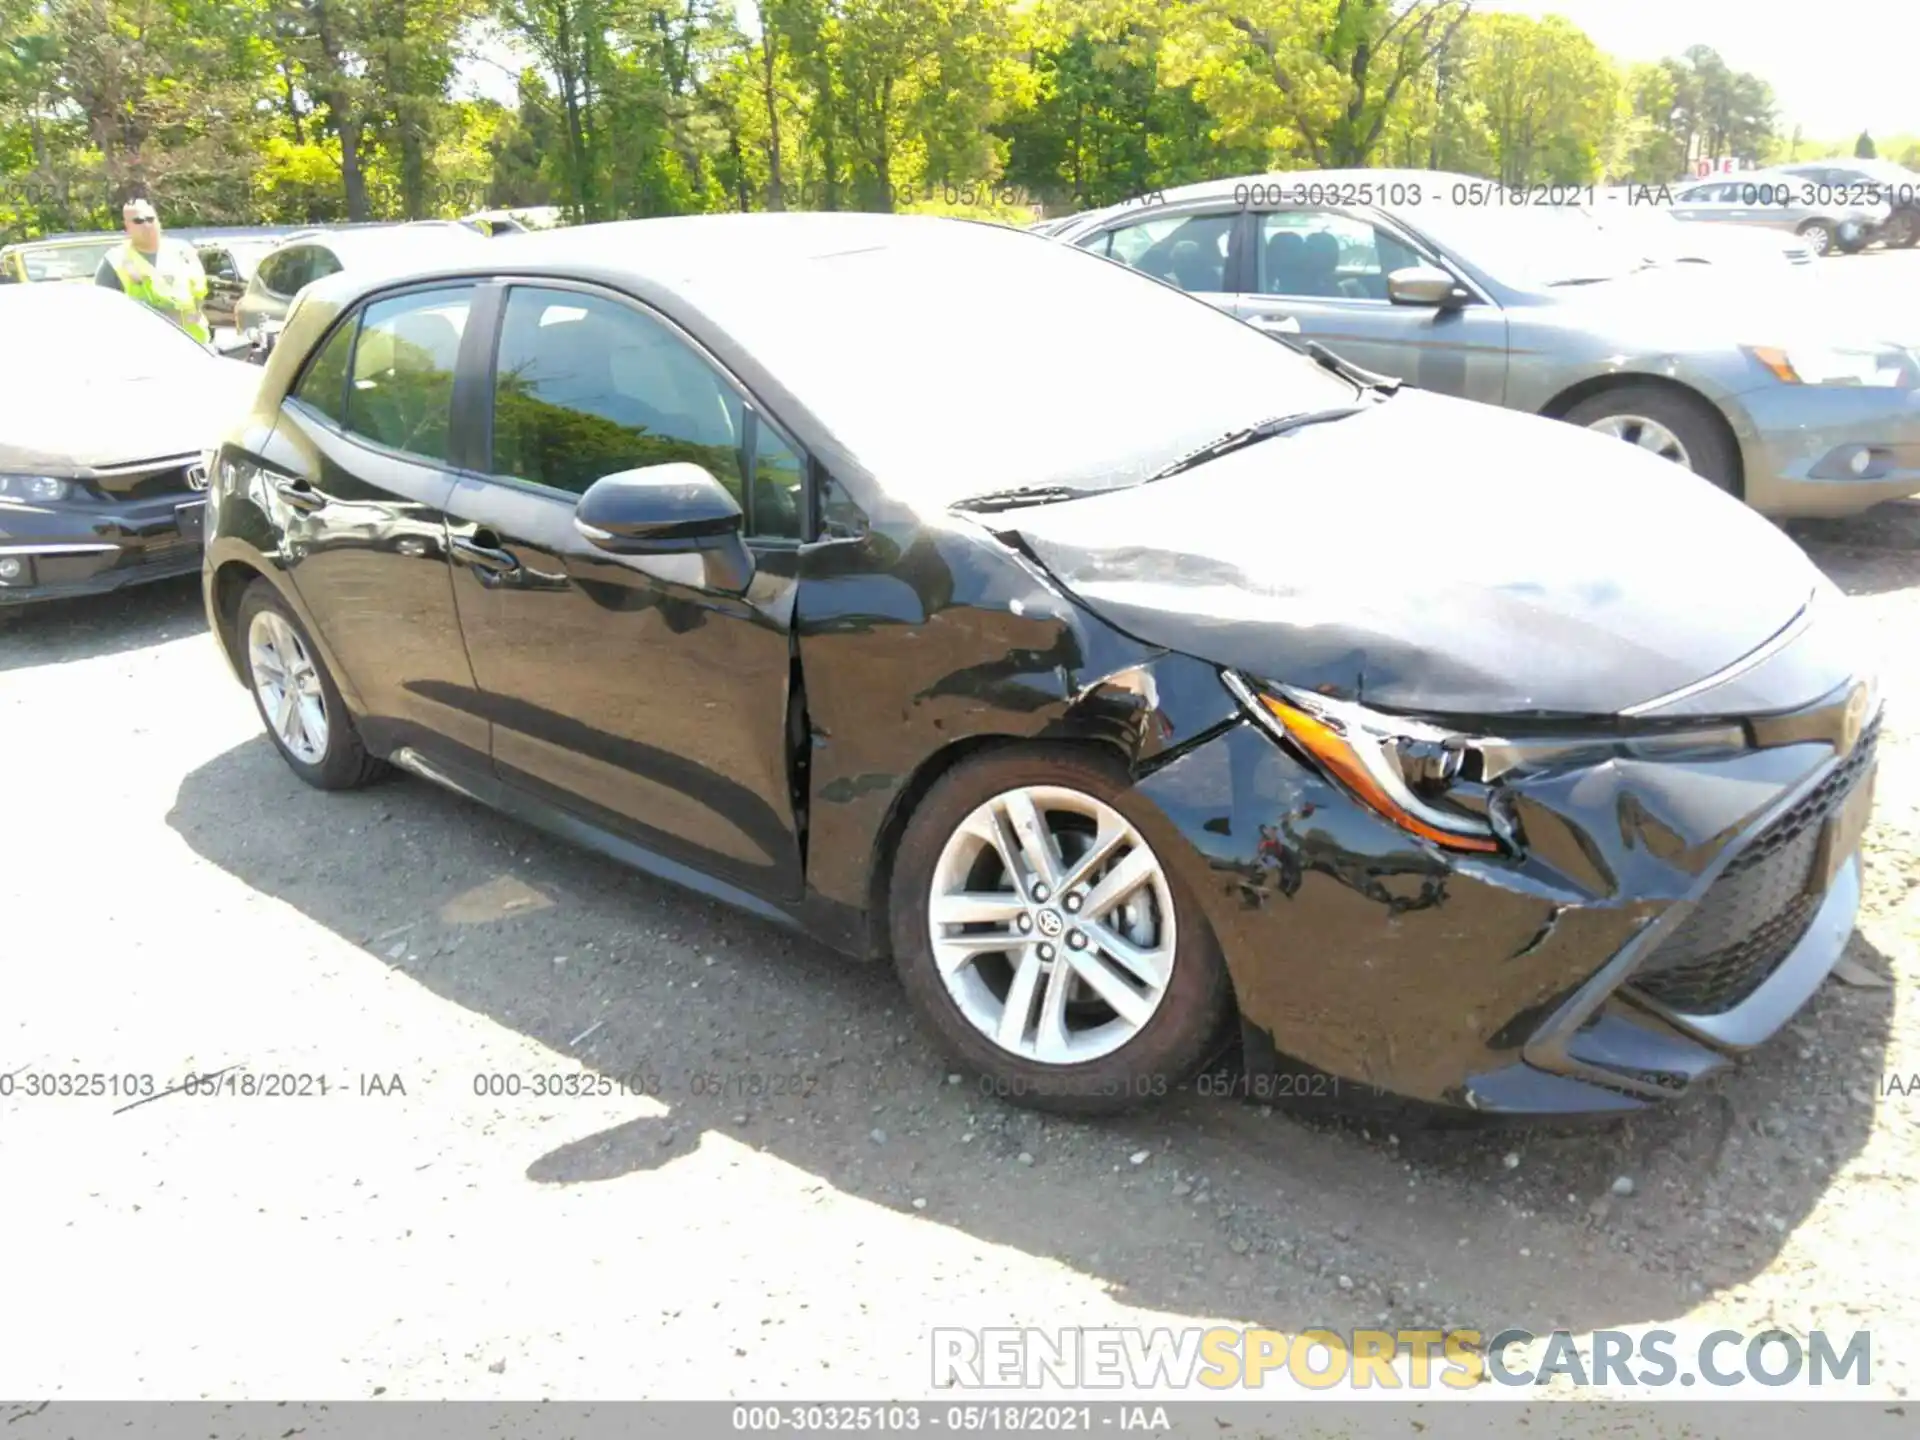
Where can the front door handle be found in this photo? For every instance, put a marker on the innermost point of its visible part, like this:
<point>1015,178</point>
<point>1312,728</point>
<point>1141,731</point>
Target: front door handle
<point>490,564</point>
<point>299,494</point>
<point>1279,324</point>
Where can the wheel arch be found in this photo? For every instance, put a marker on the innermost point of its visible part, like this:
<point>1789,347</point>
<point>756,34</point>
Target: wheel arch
<point>232,573</point>
<point>1561,405</point>
<point>930,771</point>
<point>230,582</point>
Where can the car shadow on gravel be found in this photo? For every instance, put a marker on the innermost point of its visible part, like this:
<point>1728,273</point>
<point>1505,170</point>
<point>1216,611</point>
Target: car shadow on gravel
<point>90,626</point>
<point>1199,1206</point>
<point>1870,553</point>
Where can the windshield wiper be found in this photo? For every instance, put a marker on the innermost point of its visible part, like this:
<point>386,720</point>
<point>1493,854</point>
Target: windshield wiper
<point>1350,372</point>
<point>1252,435</point>
<point>1023,495</point>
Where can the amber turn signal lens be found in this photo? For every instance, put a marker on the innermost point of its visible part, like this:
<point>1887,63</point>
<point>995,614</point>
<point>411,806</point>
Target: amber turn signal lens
<point>1337,757</point>
<point>1777,362</point>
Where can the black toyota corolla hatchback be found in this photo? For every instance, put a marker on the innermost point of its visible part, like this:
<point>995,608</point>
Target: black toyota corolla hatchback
<point>1125,675</point>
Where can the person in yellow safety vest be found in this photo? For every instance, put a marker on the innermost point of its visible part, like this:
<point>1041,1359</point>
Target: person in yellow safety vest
<point>164,275</point>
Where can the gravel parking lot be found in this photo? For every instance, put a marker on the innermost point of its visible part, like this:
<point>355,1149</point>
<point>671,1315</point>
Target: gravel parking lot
<point>172,900</point>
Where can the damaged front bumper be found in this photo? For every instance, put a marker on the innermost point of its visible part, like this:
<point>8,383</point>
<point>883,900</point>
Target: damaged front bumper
<point>1663,916</point>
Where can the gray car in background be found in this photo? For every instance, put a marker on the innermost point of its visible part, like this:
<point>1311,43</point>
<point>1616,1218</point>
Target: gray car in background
<point>1848,179</point>
<point>309,255</point>
<point>1640,218</point>
<point>1828,218</point>
<point>1518,299</point>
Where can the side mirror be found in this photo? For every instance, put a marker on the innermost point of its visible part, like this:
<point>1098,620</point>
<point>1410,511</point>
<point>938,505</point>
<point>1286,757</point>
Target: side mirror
<point>1425,285</point>
<point>264,337</point>
<point>673,509</point>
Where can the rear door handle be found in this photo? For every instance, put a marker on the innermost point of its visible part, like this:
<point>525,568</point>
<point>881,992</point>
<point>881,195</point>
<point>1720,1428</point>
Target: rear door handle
<point>1280,324</point>
<point>299,494</point>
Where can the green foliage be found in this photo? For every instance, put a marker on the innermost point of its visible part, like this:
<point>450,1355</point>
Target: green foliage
<point>316,110</point>
<point>298,182</point>
<point>1863,148</point>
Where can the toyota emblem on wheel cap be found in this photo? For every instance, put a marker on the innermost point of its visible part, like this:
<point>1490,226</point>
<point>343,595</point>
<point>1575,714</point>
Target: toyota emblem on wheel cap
<point>1049,923</point>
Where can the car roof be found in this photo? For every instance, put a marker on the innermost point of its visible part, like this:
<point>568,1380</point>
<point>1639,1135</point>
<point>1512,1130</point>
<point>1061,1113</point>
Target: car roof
<point>1876,165</point>
<point>227,234</point>
<point>35,302</point>
<point>1363,185</point>
<point>355,245</point>
<point>682,251</point>
<point>71,237</point>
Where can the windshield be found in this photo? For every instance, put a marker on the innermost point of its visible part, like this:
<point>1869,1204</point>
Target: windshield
<point>938,363</point>
<point>64,262</point>
<point>1539,248</point>
<point>101,336</point>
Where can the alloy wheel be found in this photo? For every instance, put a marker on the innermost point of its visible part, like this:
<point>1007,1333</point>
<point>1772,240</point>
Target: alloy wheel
<point>288,686</point>
<point>1052,925</point>
<point>1645,433</point>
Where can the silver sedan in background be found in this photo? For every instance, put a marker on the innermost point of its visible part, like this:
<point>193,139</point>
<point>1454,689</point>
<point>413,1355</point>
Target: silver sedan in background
<point>1828,218</point>
<point>1461,286</point>
<point>1645,220</point>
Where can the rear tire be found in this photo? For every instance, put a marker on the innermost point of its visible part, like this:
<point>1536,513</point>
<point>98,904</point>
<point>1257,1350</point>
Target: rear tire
<point>1903,230</point>
<point>1707,450</point>
<point>1107,993</point>
<point>298,702</point>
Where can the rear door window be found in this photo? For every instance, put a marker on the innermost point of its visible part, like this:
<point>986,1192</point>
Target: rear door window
<point>1185,250</point>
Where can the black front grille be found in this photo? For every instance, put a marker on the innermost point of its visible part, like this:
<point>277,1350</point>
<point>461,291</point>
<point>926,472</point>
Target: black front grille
<point>143,484</point>
<point>1755,913</point>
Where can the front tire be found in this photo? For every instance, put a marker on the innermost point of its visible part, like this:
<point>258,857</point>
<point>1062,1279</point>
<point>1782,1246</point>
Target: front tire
<point>1667,424</point>
<point>297,698</point>
<point>1820,236</point>
<point>1045,941</point>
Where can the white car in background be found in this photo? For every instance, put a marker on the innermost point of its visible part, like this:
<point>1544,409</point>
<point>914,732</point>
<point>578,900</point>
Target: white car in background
<point>1631,214</point>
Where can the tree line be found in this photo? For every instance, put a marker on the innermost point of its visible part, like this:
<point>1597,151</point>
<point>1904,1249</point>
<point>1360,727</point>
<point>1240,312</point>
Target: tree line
<point>304,111</point>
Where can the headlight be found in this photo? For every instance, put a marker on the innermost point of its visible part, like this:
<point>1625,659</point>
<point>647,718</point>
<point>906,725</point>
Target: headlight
<point>1885,366</point>
<point>1379,759</point>
<point>39,489</point>
<point>1410,772</point>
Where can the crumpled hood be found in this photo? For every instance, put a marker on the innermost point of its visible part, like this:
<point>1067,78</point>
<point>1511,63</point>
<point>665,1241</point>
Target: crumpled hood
<point>1435,555</point>
<point>67,429</point>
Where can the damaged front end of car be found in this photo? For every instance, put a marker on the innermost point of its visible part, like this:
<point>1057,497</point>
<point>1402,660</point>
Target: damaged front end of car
<point>1567,919</point>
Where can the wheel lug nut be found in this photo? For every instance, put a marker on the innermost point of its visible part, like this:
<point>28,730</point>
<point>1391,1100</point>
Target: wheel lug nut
<point>1076,940</point>
<point>1046,952</point>
<point>1040,893</point>
<point>1073,904</point>
<point>1026,923</point>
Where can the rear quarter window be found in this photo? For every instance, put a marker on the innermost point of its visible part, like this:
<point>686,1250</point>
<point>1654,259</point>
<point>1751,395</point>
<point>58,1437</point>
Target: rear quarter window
<point>323,386</point>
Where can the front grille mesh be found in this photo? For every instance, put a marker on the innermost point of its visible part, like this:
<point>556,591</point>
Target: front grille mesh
<point>1756,912</point>
<point>144,483</point>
